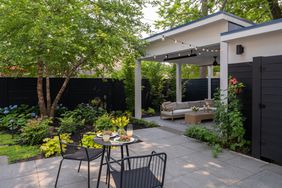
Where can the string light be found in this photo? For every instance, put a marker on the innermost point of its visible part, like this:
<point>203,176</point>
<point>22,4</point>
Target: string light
<point>189,45</point>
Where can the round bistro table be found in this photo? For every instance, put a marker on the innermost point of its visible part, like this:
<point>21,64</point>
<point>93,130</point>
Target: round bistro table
<point>106,146</point>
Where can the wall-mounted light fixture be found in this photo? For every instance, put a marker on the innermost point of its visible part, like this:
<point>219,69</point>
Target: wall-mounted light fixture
<point>239,49</point>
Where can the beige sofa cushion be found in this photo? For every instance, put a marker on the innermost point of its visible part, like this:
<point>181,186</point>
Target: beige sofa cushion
<point>169,106</point>
<point>209,102</point>
<point>196,104</point>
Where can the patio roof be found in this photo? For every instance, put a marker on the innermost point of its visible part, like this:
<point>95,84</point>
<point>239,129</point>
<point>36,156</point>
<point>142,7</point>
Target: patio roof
<point>188,43</point>
<point>199,22</point>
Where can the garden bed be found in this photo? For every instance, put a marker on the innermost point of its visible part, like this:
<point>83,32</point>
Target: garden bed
<point>12,146</point>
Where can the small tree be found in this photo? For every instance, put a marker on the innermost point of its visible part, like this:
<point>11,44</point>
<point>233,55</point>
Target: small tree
<point>60,37</point>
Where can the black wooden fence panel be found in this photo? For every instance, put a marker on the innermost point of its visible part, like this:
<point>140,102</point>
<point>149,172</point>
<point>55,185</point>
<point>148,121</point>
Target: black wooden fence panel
<point>82,90</point>
<point>197,89</point>
<point>79,90</point>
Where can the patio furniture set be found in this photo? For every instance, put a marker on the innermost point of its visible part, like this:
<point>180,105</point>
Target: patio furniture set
<point>146,171</point>
<point>205,110</point>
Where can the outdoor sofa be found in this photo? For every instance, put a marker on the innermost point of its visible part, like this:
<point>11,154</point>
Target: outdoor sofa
<point>174,110</point>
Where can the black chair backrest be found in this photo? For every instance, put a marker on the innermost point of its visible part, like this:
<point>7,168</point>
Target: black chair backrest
<point>146,170</point>
<point>69,149</point>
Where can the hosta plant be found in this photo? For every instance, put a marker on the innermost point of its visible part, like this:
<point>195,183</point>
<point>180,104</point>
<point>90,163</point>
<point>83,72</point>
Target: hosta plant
<point>51,146</point>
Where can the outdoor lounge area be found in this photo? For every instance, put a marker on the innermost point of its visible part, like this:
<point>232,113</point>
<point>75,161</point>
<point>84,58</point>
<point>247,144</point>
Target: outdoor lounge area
<point>90,96</point>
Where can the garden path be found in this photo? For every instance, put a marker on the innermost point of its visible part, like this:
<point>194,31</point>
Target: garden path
<point>190,165</point>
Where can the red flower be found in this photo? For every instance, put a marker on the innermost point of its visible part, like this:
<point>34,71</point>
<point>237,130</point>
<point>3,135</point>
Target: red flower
<point>233,81</point>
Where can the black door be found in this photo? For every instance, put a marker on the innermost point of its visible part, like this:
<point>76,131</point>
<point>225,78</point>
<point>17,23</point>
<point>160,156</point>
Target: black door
<point>268,107</point>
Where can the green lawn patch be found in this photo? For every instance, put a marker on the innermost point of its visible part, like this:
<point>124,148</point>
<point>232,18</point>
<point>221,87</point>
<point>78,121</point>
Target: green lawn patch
<point>8,139</point>
<point>16,153</point>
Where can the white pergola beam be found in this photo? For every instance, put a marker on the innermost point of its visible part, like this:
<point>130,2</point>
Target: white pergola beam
<point>138,90</point>
<point>223,70</point>
<point>178,83</point>
<point>210,73</point>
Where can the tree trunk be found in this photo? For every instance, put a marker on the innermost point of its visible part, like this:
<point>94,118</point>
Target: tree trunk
<point>58,97</point>
<point>48,92</point>
<point>63,88</point>
<point>223,5</point>
<point>40,95</point>
<point>275,9</point>
<point>204,9</point>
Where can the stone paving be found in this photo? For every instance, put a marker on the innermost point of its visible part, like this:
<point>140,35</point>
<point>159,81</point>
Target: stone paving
<point>190,165</point>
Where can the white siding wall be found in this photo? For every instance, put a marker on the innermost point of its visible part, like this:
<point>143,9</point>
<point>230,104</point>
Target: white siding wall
<point>268,44</point>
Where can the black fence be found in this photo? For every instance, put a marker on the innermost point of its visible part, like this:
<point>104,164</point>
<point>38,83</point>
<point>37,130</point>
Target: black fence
<point>79,90</point>
<point>82,90</point>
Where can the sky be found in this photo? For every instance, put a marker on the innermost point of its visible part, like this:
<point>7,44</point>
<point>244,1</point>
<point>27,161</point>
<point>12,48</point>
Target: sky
<point>150,15</point>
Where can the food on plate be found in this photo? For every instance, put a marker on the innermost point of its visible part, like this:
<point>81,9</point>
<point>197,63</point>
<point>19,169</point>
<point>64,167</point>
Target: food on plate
<point>124,138</point>
<point>107,133</point>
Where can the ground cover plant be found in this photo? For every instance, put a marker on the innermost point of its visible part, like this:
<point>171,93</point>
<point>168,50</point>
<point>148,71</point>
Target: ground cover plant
<point>10,147</point>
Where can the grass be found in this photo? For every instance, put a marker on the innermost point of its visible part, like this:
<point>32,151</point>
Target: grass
<point>15,152</point>
<point>7,139</point>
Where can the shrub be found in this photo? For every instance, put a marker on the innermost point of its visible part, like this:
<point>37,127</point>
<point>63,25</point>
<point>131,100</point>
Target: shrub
<point>51,146</point>
<point>69,124</point>
<point>14,117</point>
<point>206,135</point>
<point>88,140</point>
<point>203,134</point>
<point>142,122</point>
<point>151,111</point>
<point>35,131</point>
<point>103,122</point>
<point>85,113</point>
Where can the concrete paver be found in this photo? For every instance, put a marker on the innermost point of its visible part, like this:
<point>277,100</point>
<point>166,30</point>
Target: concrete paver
<point>190,165</point>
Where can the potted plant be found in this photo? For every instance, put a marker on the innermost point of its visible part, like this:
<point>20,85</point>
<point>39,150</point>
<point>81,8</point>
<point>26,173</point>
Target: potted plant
<point>121,122</point>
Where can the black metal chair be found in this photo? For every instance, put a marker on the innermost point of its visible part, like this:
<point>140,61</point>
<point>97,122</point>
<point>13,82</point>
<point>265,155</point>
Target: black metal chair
<point>78,153</point>
<point>147,171</point>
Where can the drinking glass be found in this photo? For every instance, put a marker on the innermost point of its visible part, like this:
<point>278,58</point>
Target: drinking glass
<point>129,130</point>
<point>106,137</point>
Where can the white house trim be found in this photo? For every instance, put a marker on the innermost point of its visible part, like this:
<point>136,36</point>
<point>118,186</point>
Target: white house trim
<point>252,31</point>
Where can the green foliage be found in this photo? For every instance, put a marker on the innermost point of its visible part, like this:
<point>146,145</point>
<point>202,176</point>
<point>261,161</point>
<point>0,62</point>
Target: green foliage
<point>68,124</point>
<point>35,131</point>
<point>17,153</point>
<point>103,122</point>
<point>203,134</point>
<point>51,146</point>
<point>229,118</point>
<point>7,139</point>
<point>127,75</point>
<point>61,33</point>
<point>143,123</point>
<point>176,12</point>
<point>206,135</point>
<point>154,72</point>
<point>216,149</point>
<point>85,114</point>
<point>14,117</point>
<point>88,140</point>
<point>149,112</point>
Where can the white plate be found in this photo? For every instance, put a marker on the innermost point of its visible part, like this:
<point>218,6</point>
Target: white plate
<point>116,140</point>
<point>101,135</point>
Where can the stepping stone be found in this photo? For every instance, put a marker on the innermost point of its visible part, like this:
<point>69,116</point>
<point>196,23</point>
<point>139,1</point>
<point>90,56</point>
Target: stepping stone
<point>3,160</point>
